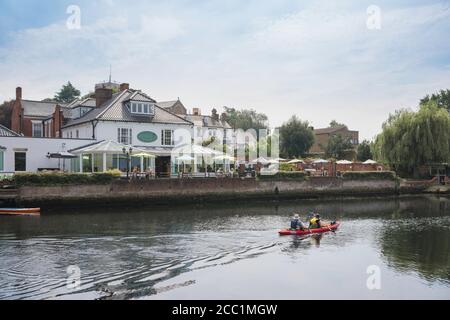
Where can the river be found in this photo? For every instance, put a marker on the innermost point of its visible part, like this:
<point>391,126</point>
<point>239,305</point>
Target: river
<point>386,248</point>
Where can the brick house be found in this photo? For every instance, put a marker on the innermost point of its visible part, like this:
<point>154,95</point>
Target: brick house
<point>36,118</point>
<point>322,136</point>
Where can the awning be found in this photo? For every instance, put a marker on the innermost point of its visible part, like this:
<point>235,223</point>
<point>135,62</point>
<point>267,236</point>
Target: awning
<point>61,155</point>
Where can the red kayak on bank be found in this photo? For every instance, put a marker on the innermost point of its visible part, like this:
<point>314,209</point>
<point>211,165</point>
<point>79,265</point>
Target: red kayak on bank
<point>20,212</point>
<point>326,228</point>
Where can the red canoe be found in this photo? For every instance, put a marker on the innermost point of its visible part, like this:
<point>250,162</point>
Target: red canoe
<point>327,228</point>
<point>20,212</point>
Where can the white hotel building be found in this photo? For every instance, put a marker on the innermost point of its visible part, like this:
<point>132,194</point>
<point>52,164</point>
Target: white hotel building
<point>127,116</point>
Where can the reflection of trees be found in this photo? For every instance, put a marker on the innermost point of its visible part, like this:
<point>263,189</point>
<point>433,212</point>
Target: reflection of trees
<point>426,251</point>
<point>418,237</point>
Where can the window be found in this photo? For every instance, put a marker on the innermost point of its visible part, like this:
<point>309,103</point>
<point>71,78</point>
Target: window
<point>70,134</point>
<point>124,136</point>
<point>20,161</point>
<point>77,134</point>
<point>2,166</point>
<point>141,108</point>
<point>37,129</point>
<point>167,138</point>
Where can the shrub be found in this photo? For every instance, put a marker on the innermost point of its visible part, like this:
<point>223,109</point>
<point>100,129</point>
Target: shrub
<point>287,167</point>
<point>284,175</point>
<point>47,179</point>
<point>369,175</point>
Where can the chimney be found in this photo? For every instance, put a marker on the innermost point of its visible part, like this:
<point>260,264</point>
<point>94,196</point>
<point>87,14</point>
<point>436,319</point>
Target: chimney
<point>19,93</point>
<point>102,95</point>
<point>214,114</point>
<point>196,112</point>
<point>124,86</point>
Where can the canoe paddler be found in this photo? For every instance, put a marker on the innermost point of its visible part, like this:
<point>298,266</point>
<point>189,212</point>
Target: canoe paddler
<point>315,223</point>
<point>296,224</point>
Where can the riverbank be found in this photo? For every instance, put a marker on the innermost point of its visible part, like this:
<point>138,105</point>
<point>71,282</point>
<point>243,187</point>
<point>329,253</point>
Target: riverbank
<point>206,190</point>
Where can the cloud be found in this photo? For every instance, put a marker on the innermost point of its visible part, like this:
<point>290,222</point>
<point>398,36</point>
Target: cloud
<point>317,60</point>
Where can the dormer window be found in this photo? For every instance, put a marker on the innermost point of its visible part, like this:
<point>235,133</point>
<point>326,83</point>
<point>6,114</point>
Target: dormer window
<point>142,108</point>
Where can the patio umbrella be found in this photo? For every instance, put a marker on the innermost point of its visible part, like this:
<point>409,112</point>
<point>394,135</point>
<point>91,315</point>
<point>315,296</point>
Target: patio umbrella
<point>343,162</point>
<point>370,162</point>
<point>261,160</point>
<point>320,161</point>
<point>61,155</point>
<point>295,161</point>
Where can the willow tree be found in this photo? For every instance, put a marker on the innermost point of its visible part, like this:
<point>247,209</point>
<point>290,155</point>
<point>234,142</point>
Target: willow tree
<point>412,139</point>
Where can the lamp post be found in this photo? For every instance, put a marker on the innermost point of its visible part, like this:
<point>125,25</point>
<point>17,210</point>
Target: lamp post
<point>128,153</point>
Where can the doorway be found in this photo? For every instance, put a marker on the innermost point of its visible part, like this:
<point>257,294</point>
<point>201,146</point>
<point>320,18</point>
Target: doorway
<point>162,167</point>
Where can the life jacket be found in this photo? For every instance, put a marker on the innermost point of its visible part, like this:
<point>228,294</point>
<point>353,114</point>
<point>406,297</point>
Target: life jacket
<point>295,224</point>
<point>314,223</point>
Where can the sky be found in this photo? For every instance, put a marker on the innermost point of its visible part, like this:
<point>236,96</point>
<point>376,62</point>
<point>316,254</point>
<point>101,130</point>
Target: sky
<point>350,61</point>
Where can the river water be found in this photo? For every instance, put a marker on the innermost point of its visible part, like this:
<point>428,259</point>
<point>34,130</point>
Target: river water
<point>386,248</point>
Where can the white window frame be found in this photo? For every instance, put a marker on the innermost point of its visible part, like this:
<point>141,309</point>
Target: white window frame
<point>41,126</point>
<point>141,108</point>
<point>125,136</point>
<point>165,137</point>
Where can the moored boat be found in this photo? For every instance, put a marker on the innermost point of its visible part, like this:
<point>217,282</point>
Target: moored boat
<point>20,211</point>
<point>326,228</point>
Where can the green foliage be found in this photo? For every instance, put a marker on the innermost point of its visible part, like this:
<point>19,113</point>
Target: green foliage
<point>296,138</point>
<point>287,167</point>
<point>67,94</point>
<point>5,113</point>
<point>442,99</point>
<point>245,119</point>
<point>338,146</point>
<point>364,151</point>
<point>411,139</point>
<point>369,175</point>
<point>285,175</point>
<point>49,179</point>
<point>335,124</point>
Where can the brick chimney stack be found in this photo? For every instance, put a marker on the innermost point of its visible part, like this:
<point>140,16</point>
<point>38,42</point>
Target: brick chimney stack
<point>196,112</point>
<point>124,86</point>
<point>19,93</point>
<point>102,95</point>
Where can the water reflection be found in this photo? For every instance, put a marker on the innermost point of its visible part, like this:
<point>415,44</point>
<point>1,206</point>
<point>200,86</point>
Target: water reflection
<point>127,253</point>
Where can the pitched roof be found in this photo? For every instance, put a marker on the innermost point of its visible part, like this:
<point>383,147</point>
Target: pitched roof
<point>39,108</point>
<point>207,121</point>
<point>115,109</point>
<point>167,104</point>
<point>5,132</point>
<point>329,130</point>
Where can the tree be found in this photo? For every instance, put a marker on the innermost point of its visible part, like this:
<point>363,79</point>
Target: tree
<point>442,99</point>
<point>364,152</point>
<point>67,94</point>
<point>296,137</point>
<point>335,124</point>
<point>245,119</point>
<point>412,139</point>
<point>338,146</point>
<point>5,113</point>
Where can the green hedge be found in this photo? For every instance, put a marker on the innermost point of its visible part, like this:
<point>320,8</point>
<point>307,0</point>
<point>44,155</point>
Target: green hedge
<point>284,175</point>
<point>48,179</point>
<point>369,175</point>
